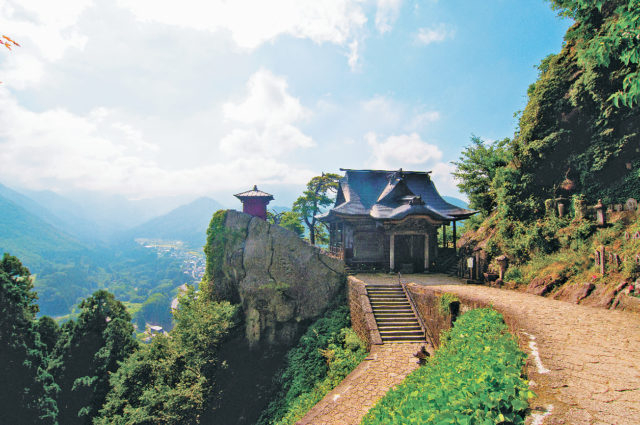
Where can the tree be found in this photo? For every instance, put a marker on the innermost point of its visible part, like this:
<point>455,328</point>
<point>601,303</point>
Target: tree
<point>90,350</point>
<point>608,32</point>
<point>25,387</point>
<point>476,169</point>
<point>49,332</point>
<point>314,199</point>
<point>288,219</point>
<point>171,380</point>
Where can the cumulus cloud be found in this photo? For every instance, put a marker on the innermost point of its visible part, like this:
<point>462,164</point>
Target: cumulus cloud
<point>267,114</point>
<point>386,14</point>
<point>410,152</point>
<point>400,151</point>
<point>390,115</point>
<point>252,23</point>
<point>434,34</point>
<point>268,102</point>
<point>443,178</point>
<point>56,149</point>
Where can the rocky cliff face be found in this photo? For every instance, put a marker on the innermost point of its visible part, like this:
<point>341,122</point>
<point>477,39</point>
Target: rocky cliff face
<point>281,281</point>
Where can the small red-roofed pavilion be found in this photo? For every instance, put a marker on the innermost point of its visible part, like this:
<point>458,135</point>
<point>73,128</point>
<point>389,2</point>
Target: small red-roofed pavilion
<point>254,202</point>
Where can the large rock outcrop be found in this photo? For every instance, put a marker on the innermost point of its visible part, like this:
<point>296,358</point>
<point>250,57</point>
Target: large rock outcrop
<point>281,281</point>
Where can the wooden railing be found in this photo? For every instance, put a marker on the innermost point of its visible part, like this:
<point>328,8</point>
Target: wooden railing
<point>334,251</point>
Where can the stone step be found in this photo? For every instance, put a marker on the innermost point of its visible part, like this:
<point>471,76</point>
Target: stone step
<point>404,339</point>
<point>399,332</point>
<point>386,294</point>
<point>393,307</point>
<point>385,291</point>
<point>389,302</point>
<point>396,321</point>
<point>378,312</point>
<point>394,314</point>
<point>387,297</point>
<point>394,328</point>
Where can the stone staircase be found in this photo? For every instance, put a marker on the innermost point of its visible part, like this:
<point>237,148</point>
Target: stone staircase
<point>394,316</point>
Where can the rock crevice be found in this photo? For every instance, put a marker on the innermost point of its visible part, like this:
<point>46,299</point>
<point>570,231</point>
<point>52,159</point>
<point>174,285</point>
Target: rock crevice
<point>281,282</point>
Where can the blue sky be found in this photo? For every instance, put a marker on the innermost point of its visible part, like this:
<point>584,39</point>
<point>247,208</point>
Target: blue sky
<point>151,98</point>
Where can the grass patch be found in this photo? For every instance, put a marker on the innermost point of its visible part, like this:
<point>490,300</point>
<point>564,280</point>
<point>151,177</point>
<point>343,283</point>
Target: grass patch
<point>475,377</point>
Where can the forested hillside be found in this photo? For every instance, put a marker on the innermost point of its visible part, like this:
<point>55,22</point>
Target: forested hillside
<point>578,139</point>
<point>69,264</point>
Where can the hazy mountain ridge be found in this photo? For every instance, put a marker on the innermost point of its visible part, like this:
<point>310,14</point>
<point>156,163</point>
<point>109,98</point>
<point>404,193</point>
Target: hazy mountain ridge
<point>456,201</point>
<point>72,256</point>
<point>187,223</point>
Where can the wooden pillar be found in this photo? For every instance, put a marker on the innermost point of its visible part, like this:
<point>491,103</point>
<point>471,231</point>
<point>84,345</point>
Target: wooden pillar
<point>391,252</point>
<point>444,236</point>
<point>426,252</point>
<point>454,238</point>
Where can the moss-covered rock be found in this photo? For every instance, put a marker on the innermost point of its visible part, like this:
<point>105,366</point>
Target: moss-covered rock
<point>280,280</point>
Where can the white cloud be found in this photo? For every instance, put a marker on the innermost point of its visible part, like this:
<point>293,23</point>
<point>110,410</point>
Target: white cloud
<point>386,14</point>
<point>400,151</point>
<point>422,119</point>
<point>268,114</point>
<point>443,178</point>
<point>56,149</point>
<point>273,141</point>
<point>353,58</point>
<point>268,102</point>
<point>434,34</point>
<point>390,115</point>
<point>410,152</point>
<point>45,30</point>
<point>47,25</point>
<point>252,23</point>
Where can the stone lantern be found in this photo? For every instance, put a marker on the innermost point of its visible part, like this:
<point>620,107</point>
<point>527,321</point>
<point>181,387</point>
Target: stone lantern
<point>562,206</point>
<point>601,215</point>
<point>579,208</point>
<point>503,263</point>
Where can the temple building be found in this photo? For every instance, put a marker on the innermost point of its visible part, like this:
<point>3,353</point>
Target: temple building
<point>254,202</point>
<point>389,220</point>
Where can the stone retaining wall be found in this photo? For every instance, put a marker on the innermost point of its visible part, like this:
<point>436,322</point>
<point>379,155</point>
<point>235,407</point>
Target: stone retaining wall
<point>427,303</point>
<point>362,319</point>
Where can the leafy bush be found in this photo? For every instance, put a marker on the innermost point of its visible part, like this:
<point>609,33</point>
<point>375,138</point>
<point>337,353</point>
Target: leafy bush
<point>172,379</point>
<point>513,274</point>
<point>475,377</point>
<point>327,352</point>
<point>445,301</point>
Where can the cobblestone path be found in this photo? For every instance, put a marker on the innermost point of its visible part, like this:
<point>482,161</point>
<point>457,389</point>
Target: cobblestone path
<point>588,368</point>
<point>584,362</point>
<point>386,366</point>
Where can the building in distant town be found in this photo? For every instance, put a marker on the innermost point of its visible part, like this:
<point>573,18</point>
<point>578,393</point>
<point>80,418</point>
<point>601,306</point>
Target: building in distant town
<point>390,219</point>
<point>254,202</point>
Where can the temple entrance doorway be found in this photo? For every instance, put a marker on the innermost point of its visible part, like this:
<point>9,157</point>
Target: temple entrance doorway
<point>409,253</point>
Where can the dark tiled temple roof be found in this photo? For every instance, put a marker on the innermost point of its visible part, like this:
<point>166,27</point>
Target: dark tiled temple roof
<point>253,193</point>
<point>391,195</point>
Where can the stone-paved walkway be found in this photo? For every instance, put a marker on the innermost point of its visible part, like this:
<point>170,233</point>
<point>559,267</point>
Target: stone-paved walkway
<point>386,366</point>
<point>588,367</point>
<point>584,362</point>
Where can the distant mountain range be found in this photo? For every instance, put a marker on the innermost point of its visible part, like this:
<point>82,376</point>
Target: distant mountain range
<point>187,223</point>
<point>72,255</point>
<point>456,201</point>
<point>30,236</point>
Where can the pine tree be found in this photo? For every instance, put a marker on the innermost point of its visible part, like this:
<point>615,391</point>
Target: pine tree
<point>25,387</point>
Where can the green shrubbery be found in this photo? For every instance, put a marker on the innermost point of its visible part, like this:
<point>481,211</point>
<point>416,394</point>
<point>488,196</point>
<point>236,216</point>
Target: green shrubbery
<point>326,353</point>
<point>475,377</point>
